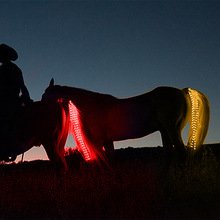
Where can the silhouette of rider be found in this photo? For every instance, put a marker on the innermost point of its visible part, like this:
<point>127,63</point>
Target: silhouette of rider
<point>11,85</point>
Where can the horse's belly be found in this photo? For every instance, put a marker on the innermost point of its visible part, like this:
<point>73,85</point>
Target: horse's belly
<point>131,124</point>
<point>132,132</point>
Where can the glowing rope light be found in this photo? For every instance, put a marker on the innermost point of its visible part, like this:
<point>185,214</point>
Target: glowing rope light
<point>76,130</point>
<point>195,115</point>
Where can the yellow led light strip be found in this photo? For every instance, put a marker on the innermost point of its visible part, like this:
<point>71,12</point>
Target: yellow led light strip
<point>195,115</point>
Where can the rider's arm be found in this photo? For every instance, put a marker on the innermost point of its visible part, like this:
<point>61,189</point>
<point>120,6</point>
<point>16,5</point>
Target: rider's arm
<point>23,88</point>
<point>24,91</point>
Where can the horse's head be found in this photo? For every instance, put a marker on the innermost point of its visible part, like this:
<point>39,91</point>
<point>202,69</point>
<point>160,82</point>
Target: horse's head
<point>52,92</point>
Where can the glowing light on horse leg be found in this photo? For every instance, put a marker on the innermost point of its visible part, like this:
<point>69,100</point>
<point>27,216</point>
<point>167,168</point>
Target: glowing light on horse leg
<point>195,115</point>
<point>76,130</point>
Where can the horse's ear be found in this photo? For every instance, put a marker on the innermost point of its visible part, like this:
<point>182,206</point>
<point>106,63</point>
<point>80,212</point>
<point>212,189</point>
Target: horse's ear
<point>51,82</point>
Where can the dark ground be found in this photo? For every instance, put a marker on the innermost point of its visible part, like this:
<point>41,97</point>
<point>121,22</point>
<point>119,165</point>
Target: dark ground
<point>138,187</point>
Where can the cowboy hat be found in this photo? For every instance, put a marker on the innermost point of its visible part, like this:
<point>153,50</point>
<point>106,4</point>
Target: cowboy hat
<point>7,53</point>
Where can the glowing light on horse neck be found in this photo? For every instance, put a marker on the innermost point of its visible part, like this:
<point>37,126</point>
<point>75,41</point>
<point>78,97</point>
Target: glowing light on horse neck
<point>195,115</point>
<point>76,131</point>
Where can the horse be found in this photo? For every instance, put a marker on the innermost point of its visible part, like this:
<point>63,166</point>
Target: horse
<point>98,120</point>
<point>35,126</point>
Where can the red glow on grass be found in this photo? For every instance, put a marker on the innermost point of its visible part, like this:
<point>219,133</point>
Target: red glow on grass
<point>76,130</point>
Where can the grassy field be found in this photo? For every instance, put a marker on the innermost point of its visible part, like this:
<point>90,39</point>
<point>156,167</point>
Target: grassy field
<point>137,188</point>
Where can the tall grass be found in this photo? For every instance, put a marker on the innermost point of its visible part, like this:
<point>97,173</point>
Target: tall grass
<point>195,188</point>
<point>136,188</point>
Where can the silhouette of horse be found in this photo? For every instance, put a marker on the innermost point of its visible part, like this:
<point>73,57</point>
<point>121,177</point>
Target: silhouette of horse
<point>98,119</point>
<point>43,123</point>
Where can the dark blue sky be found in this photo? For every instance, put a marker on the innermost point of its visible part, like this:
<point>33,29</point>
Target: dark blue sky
<point>123,48</point>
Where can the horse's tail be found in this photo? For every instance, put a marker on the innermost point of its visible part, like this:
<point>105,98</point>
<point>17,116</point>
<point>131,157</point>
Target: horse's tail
<point>199,118</point>
<point>84,142</point>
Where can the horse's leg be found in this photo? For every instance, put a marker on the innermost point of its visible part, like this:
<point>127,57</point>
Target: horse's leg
<point>55,157</point>
<point>176,138</point>
<point>168,148</point>
<point>61,153</point>
<point>109,152</point>
<point>61,147</point>
<point>167,143</point>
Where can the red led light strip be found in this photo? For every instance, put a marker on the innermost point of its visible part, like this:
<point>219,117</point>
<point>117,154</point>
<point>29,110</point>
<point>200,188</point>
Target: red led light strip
<point>76,131</point>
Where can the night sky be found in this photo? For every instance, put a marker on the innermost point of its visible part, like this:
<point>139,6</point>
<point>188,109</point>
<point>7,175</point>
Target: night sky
<point>123,48</point>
